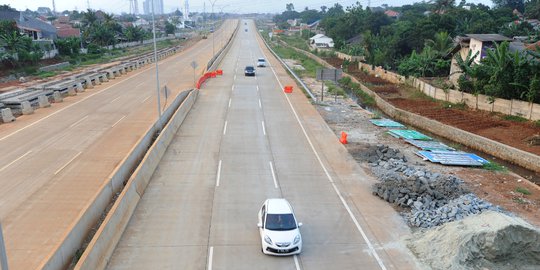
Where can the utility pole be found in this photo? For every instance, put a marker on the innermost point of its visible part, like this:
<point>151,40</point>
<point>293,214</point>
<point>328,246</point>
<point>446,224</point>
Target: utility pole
<point>156,60</point>
<point>53,7</point>
<point>3,257</point>
<point>213,30</point>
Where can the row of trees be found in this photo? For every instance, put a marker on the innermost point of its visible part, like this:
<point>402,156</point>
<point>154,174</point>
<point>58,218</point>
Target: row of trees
<point>419,42</point>
<point>503,74</point>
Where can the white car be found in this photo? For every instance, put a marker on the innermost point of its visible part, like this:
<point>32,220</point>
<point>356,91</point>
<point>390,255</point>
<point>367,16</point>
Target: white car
<point>261,62</point>
<point>280,232</point>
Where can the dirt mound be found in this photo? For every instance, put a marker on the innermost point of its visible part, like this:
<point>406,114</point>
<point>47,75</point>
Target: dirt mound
<point>490,240</point>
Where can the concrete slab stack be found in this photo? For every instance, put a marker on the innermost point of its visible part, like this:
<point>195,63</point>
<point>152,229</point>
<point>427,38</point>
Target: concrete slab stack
<point>43,101</point>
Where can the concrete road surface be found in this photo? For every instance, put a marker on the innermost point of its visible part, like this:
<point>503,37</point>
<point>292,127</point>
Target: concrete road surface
<point>243,142</point>
<point>55,161</point>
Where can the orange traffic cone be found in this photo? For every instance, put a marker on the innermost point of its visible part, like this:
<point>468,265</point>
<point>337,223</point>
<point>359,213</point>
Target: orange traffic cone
<point>343,139</point>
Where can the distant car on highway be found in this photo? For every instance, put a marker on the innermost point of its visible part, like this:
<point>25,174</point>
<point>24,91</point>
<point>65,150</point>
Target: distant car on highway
<point>279,230</point>
<point>249,71</point>
<point>261,62</point>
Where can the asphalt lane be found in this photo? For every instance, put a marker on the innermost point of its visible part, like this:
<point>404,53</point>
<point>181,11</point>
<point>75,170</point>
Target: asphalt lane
<point>245,141</point>
<point>55,161</point>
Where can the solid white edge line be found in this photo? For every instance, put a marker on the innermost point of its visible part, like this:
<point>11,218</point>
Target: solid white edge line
<point>116,123</point>
<point>210,258</point>
<point>358,227</point>
<point>11,163</point>
<point>65,165</point>
<point>218,174</point>
<point>296,262</point>
<point>145,99</point>
<point>225,128</point>
<point>80,120</point>
<point>264,129</point>
<point>273,174</point>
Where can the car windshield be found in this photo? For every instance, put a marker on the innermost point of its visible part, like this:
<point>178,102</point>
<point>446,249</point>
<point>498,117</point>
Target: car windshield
<point>250,68</point>
<point>261,60</point>
<point>280,222</point>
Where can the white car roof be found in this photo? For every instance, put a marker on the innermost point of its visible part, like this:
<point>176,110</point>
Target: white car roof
<point>278,206</point>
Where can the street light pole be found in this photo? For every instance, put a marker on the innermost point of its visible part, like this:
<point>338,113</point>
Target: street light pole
<point>156,60</point>
<point>214,30</point>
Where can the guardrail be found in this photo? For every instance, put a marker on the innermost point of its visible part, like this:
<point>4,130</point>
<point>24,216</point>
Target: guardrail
<point>306,88</point>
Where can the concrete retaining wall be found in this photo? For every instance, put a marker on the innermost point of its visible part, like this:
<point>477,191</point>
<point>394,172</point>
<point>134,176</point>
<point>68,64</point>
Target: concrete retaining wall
<point>481,102</point>
<point>54,67</point>
<point>104,241</point>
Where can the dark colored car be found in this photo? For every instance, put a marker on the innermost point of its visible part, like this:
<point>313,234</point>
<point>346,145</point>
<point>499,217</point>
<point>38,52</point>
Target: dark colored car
<point>249,71</point>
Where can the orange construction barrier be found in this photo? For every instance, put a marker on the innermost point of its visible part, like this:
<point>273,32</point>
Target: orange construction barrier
<point>343,139</point>
<point>219,72</point>
<point>287,89</point>
<point>212,74</point>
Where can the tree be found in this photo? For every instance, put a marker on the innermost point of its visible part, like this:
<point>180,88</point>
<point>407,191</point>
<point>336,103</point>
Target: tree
<point>68,46</point>
<point>512,4</point>
<point>6,8</point>
<point>532,9</point>
<point>169,28</point>
<point>89,18</point>
<point>442,43</point>
<point>289,7</point>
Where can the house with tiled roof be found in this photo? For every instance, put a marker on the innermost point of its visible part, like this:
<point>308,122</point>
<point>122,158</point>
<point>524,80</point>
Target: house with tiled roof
<point>29,26</point>
<point>392,14</point>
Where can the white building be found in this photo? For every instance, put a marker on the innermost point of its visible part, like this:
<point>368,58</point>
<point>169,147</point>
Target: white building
<point>321,41</point>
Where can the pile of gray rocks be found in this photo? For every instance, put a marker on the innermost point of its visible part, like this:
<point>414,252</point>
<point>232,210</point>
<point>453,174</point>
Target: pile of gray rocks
<point>433,198</point>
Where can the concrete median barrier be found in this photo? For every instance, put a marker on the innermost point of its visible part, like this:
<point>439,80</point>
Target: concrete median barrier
<point>106,238</point>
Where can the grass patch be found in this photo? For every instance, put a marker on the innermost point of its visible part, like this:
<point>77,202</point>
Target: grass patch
<point>519,200</point>
<point>46,74</point>
<point>537,123</point>
<point>514,118</point>
<point>523,191</point>
<point>420,95</point>
<point>296,41</point>
<point>495,167</point>
<point>309,64</point>
<point>450,105</point>
<point>334,89</point>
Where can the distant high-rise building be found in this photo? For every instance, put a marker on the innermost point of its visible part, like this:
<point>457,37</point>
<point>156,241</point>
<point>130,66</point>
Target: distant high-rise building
<point>133,7</point>
<point>158,6</point>
<point>186,10</point>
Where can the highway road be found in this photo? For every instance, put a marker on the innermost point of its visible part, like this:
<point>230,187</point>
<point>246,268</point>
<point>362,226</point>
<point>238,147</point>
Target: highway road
<point>55,161</point>
<point>245,141</point>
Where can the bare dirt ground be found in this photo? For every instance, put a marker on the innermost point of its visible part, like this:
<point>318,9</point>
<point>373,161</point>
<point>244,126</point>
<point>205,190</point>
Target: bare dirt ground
<point>486,124</point>
<point>512,192</point>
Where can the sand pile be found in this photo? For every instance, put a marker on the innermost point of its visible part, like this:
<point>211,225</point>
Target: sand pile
<point>490,240</point>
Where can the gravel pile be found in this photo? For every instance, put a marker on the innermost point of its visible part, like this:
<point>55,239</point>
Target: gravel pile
<point>433,198</point>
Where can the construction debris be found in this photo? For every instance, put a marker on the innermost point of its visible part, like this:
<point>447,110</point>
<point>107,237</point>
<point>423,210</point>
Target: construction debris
<point>490,240</point>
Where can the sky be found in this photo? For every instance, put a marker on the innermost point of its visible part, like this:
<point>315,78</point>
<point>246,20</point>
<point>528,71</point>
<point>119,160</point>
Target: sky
<point>231,6</point>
